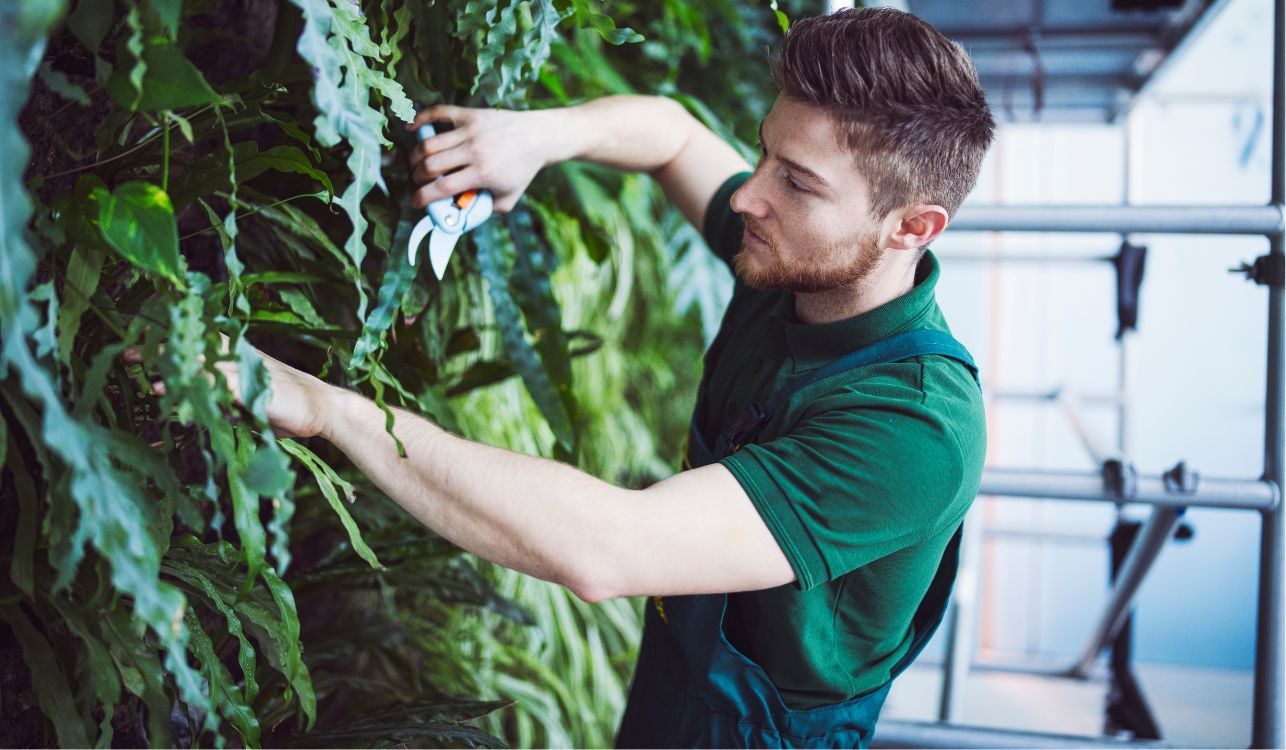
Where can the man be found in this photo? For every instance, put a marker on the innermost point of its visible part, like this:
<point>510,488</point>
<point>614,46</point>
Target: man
<point>804,556</point>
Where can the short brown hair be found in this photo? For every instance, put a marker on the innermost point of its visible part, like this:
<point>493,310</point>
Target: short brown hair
<point>906,99</point>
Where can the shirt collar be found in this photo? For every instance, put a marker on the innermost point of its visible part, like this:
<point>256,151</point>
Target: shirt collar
<point>813,345</point>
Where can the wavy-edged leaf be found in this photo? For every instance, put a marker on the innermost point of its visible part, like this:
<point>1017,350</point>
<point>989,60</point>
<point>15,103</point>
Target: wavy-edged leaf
<point>184,567</point>
<point>229,699</point>
<point>60,84</point>
<point>332,45</point>
<point>292,659</point>
<point>327,480</point>
<point>496,260</point>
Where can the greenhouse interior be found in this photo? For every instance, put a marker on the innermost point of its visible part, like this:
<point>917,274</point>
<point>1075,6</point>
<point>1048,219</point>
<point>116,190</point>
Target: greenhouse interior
<point>577,373</point>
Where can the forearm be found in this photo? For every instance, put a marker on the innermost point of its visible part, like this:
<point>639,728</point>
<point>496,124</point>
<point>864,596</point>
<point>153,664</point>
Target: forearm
<point>530,514</point>
<point>632,133</point>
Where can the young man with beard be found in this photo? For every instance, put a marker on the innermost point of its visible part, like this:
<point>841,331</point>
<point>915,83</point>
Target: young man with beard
<point>804,555</point>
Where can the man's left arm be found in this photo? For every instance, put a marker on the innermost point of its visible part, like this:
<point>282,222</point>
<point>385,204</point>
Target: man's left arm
<point>696,532</point>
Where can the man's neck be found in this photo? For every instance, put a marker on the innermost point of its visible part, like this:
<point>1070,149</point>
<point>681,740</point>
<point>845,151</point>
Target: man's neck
<point>885,284</point>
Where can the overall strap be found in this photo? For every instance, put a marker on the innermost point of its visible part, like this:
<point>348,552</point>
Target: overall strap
<point>905,345</point>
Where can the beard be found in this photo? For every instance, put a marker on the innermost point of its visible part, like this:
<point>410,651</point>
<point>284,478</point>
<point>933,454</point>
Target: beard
<point>843,264</point>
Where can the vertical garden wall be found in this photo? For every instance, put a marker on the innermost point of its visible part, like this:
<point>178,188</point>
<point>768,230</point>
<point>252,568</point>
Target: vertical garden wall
<point>172,572</point>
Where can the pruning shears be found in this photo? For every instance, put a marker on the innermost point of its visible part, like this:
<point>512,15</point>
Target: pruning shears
<point>445,220</point>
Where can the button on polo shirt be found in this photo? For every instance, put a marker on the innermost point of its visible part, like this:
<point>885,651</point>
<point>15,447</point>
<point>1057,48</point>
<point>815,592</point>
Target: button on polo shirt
<point>862,478</point>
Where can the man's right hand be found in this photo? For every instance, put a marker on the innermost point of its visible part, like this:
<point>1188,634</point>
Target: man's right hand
<point>502,150</point>
<point>497,149</point>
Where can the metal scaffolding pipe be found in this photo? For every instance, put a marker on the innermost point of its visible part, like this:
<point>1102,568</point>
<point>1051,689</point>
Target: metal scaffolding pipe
<point>1266,721</point>
<point>1143,553</point>
<point>895,733</point>
<point>1265,220</point>
<point>1210,492</point>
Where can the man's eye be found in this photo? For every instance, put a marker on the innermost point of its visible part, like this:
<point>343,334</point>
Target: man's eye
<point>795,186</point>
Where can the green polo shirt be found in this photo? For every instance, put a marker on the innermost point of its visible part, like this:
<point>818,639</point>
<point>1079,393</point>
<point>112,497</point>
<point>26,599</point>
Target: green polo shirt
<point>862,478</point>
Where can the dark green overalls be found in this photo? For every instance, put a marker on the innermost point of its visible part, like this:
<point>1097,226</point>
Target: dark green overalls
<point>692,688</point>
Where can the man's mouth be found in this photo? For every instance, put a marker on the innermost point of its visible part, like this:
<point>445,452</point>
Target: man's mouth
<point>750,237</point>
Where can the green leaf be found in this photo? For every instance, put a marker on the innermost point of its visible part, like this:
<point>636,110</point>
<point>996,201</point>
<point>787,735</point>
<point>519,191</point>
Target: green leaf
<point>48,680</point>
<point>293,661</point>
<point>782,21</point>
<point>185,126</point>
<point>83,271</point>
<point>141,672</point>
<point>137,221</point>
<point>89,22</point>
<point>188,571</point>
<point>607,29</point>
<point>327,479</point>
<point>170,12</point>
<point>266,475</point>
<point>22,568</point>
<point>223,692</point>
<point>245,504</point>
<point>251,162</point>
<point>300,305</point>
<point>104,679</point>
<point>167,79</point>
<point>399,274</point>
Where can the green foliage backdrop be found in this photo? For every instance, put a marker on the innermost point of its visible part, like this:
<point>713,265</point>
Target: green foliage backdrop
<point>176,574</point>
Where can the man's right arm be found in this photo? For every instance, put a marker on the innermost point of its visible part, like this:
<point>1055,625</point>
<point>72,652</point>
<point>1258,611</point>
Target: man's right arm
<point>503,150</point>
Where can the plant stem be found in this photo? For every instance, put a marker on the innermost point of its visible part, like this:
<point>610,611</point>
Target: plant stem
<point>255,211</point>
<point>165,155</point>
<point>145,142</point>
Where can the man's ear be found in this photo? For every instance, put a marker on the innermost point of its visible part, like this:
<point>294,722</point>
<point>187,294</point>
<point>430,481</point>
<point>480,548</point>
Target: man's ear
<point>914,226</point>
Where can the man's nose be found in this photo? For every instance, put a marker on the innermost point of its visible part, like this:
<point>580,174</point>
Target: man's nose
<point>747,200</point>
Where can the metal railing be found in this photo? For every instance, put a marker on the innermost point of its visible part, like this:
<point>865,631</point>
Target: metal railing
<point>1262,494</point>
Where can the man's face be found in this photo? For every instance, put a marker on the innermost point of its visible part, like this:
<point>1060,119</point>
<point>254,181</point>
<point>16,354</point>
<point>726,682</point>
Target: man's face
<point>806,207</point>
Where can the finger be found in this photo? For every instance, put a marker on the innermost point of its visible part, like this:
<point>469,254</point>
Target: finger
<point>435,166</point>
<point>452,184</point>
<point>437,144</point>
<point>439,113</point>
<point>158,388</point>
<point>132,355</point>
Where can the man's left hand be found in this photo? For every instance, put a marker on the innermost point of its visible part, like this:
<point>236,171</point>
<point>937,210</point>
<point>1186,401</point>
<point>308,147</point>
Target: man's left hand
<point>296,400</point>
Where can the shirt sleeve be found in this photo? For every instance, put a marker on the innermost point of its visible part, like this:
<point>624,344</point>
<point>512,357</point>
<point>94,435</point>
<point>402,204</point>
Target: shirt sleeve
<point>860,477</point>
<point>722,227</point>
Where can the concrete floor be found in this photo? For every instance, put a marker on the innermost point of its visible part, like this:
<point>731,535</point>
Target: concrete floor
<point>1194,707</point>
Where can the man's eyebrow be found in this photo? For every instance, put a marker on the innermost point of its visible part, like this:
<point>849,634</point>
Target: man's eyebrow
<point>796,166</point>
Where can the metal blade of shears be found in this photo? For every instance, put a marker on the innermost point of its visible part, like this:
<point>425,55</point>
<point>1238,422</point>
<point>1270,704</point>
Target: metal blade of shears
<point>441,245</point>
<point>422,228</point>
